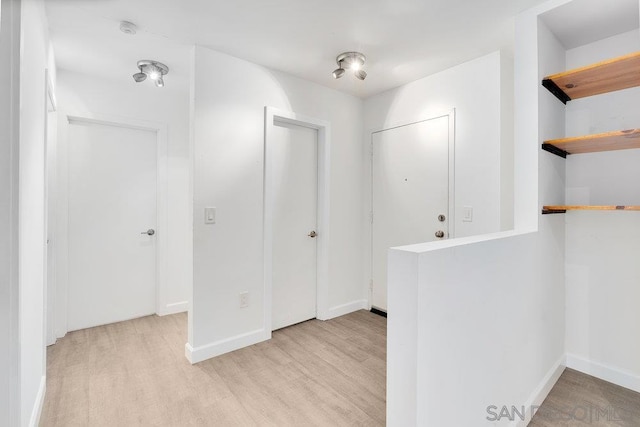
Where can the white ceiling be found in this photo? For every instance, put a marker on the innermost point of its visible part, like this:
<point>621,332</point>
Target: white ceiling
<point>585,21</point>
<point>403,39</point>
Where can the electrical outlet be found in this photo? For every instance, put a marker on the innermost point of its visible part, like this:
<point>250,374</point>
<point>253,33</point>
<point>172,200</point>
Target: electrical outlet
<point>244,299</point>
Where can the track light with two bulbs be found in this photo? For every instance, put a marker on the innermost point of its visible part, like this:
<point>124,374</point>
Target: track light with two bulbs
<point>353,61</point>
<point>153,69</point>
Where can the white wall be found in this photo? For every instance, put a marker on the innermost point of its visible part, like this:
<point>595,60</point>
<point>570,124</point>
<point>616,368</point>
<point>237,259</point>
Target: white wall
<point>124,99</point>
<point>474,90</point>
<point>37,56</point>
<point>9,187</point>
<point>481,91</point>
<point>603,321</point>
<point>479,321</point>
<point>229,97</point>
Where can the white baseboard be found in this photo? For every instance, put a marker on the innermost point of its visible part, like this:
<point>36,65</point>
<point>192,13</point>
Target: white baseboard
<point>605,372</point>
<point>541,392</point>
<point>39,403</point>
<point>204,352</point>
<point>178,307</point>
<point>343,309</point>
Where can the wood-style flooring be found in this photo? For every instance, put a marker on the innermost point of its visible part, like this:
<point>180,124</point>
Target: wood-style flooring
<point>315,373</point>
<point>581,400</point>
<point>134,373</point>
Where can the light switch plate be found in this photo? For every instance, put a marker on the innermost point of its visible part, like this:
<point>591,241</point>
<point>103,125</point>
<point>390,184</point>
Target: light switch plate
<point>209,215</point>
<point>467,214</point>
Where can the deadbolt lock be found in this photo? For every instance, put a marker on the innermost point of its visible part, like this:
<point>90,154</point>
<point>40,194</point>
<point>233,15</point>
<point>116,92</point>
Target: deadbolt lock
<point>441,218</point>
<point>312,234</point>
<point>439,234</point>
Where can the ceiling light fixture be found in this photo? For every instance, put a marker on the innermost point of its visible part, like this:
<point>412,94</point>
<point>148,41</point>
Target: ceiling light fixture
<point>353,61</point>
<point>153,69</point>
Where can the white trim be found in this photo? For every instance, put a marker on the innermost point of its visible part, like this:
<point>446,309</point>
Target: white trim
<point>161,131</point>
<point>541,392</point>
<point>48,318</point>
<point>39,403</point>
<point>621,377</point>
<point>273,115</point>
<point>343,309</point>
<point>198,354</point>
<point>178,307</point>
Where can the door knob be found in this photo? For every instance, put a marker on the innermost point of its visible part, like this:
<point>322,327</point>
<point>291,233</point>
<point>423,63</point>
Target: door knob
<point>149,232</point>
<point>312,234</point>
<point>439,234</point>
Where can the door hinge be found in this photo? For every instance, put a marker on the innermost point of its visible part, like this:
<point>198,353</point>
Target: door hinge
<point>371,285</point>
<point>371,217</point>
<point>371,150</point>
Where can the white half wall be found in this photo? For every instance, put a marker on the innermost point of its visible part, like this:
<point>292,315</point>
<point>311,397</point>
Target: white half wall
<point>37,56</point>
<point>9,190</point>
<point>123,99</point>
<point>603,273</point>
<point>479,321</point>
<point>229,97</point>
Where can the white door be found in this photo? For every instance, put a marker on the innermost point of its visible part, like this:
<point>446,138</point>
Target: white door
<point>410,192</point>
<point>112,202</point>
<point>294,171</point>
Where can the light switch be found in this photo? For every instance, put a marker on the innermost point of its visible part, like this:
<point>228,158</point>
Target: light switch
<point>209,215</point>
<point>467,214</point>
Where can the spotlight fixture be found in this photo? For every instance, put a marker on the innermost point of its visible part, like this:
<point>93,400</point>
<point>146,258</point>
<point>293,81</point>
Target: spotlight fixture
<point>153,69</point>
<point>338,73</point>
<point>353,61</point>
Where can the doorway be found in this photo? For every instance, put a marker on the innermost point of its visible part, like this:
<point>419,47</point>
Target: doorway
<point>296,218</point>
<point>412,191</point>
<point>112,223</point>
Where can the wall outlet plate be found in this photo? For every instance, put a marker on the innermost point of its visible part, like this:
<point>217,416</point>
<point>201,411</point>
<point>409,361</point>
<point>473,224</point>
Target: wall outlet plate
<point>244,299</point>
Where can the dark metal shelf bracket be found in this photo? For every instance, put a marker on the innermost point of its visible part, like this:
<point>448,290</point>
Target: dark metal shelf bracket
<point>556,91</point>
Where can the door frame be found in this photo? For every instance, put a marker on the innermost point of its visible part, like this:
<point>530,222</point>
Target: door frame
<point>161,131</point>
<point>273,116</point>
<point>48,319</point>
<point>451,115</point>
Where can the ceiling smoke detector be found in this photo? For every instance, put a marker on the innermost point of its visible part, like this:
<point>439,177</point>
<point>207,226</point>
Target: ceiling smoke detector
<point>353,61</point>
<point>128,28</point>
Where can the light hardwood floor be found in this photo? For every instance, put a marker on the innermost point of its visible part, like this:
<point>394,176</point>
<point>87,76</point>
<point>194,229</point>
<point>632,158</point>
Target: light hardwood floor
<point>581,400</point>
<point>131,373</point>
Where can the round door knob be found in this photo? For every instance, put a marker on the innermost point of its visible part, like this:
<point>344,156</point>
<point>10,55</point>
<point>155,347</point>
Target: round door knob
<point>439,234</point>
<point>312,234</point>
<point>149,232</point>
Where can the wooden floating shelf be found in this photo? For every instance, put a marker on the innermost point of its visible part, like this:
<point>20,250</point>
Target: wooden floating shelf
<point>609,141</point>
<point>603,77</point>
<point>554,209</point>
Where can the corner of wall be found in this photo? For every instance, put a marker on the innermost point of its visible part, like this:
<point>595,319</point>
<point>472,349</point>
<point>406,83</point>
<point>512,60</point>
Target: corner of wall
<point>507,143</point>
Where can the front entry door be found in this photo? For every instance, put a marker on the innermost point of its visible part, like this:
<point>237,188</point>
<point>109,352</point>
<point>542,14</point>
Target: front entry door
<point>410,192</point>
<point>294,168</point>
